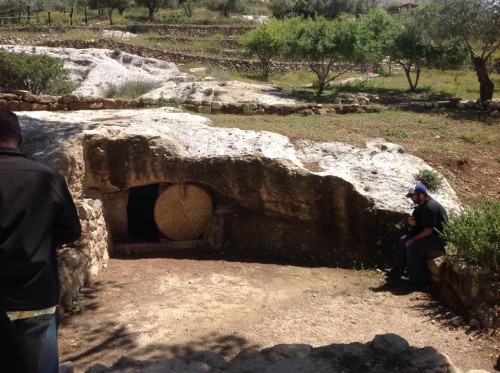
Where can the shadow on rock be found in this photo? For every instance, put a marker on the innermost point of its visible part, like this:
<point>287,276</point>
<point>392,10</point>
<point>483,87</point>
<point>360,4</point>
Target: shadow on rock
<point>386,352</point>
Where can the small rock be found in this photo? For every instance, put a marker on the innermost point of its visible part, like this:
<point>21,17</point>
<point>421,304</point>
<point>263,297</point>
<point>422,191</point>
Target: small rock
<point>457,321</point>
<point>474,323</point>
<point>96,368</point>
<point>66,367</point>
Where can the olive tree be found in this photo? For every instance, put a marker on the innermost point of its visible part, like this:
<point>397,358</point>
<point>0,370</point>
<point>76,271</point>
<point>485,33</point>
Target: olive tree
<point>152,5</point>
<point>265,41</point>
<point>225,7</point>
<point>335,8</point>
<point>187,6</point>
<point>409,45</point>
<point>374,31</point>
<point>280,8</point>
<point>477,24</point>
<point>110,5</point>
<point>329,48</point>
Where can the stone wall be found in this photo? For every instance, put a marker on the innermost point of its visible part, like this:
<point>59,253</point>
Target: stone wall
<point>26,101</point>
<point>82,260</point>
<point>471,290</point>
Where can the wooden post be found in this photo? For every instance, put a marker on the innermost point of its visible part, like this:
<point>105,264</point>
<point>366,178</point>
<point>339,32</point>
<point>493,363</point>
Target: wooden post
<point>49,17</point>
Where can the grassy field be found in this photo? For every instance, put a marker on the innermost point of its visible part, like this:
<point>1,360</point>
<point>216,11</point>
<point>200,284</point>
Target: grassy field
<point>465,150</point>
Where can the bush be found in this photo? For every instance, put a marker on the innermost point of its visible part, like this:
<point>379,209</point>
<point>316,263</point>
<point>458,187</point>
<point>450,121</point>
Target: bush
<point>431,179</point>
<point>176,18</point>
<point>130,89</point>
<point>475,234</point>
<point>37,73</point>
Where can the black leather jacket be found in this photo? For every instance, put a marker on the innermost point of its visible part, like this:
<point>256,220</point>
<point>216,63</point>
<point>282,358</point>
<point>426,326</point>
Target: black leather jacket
<point>37,214</point>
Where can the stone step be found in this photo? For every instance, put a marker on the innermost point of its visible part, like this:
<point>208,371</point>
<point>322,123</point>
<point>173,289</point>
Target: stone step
<point>149,247</point>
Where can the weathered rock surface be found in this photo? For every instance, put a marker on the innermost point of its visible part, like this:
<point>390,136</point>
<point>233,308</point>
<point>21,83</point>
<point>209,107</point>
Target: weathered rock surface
<point>386,353</point>
<point>302,201</point>
<point>98,69</point>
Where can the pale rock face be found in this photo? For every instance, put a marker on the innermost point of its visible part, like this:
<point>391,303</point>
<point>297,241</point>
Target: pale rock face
<point>97,69</point>
<point>328,202</point>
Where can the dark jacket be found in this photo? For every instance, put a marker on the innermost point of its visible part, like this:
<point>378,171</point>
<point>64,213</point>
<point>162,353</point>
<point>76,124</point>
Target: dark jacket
<point>37,214</point>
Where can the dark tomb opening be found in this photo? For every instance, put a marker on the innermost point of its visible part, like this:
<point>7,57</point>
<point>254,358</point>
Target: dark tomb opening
<point>140,212</point>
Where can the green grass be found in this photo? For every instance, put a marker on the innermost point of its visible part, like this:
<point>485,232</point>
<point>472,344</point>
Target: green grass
<point>131,89</point>
<point>406,127</point>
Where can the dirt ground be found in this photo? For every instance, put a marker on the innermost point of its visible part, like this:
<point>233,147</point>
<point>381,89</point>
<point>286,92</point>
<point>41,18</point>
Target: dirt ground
<point>160,307</point>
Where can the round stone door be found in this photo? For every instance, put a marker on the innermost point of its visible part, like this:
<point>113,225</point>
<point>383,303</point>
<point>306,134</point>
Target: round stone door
<point>182,211</point>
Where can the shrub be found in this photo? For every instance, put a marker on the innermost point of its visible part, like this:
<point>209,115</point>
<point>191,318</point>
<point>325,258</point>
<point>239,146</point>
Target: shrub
<point>171,102</point>
<point>475,234</point>
<point>395,132</point>
<point>37,73</point>
<point>431,179</point>
<point>130,89</point>
<point>249,110</point>
<point>176,18</point>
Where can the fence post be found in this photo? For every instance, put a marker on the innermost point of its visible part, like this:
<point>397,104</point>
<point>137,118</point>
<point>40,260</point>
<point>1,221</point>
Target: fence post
<point>49,17</point>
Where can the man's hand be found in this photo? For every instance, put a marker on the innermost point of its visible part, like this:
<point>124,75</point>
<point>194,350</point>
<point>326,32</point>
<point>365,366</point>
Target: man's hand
<point>411,221</point>
<point>425,232</point>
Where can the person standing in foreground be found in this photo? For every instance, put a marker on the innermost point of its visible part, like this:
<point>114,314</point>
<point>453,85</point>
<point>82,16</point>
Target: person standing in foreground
<point>37,214</point>
<point>426,221</point>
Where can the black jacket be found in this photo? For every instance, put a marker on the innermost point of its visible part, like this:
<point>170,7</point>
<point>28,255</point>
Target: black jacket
<point>37,214</point>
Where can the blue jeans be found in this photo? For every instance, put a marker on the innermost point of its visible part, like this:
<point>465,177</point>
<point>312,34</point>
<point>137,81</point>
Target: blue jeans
<point>412,258</point>
<point>37,337</point>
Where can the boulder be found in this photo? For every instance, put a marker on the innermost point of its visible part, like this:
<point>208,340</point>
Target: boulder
<point>387,352</point>
<point>300,201</point>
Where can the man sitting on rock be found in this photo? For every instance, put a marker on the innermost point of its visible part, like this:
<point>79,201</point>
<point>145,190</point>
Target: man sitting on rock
<point>423,239</point>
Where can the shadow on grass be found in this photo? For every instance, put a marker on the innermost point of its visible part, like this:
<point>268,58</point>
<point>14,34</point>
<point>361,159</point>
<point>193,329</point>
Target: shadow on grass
<point>386,95</point>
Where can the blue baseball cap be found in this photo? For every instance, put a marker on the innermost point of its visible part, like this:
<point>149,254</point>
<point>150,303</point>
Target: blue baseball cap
<point>419,188</point>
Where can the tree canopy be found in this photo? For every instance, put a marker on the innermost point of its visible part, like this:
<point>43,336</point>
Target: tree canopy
<point>408,44</point>
<point>225,7</point>
<point>329,48</point>
<point>265,41</point>
<point>477,24</point>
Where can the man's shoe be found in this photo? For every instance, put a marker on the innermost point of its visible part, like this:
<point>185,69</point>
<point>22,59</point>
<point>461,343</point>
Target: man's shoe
<point>418,286</point>
<point>393,273</point>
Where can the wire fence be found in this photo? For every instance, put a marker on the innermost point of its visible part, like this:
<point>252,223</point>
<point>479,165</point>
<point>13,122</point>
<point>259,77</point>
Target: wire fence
<point>46,17</point>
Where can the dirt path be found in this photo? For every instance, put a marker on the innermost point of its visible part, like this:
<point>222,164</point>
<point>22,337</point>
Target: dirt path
<point>161,307</point>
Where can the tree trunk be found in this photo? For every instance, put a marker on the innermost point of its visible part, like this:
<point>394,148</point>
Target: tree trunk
<point>265,67</point>
<point>486,86</point>
<point>188,9</point>
<point>110,11</point>
<point>407,70</point>
<point>151,12</point>
<point>417,76</point>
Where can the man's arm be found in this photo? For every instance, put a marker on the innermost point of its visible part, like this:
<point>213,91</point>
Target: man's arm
<point>67,226</point>
<point>422,234</point>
